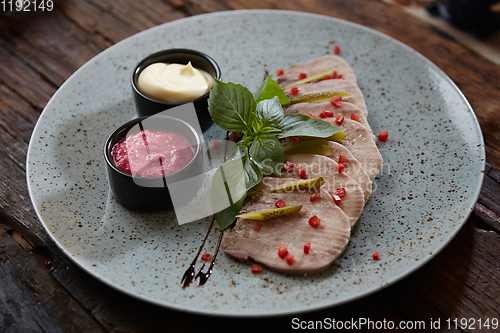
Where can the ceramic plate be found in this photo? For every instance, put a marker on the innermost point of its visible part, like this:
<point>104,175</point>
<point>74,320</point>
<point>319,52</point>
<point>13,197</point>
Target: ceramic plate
<point>425,192</point>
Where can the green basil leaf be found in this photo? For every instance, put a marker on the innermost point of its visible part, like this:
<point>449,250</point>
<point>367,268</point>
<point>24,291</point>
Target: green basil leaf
<point>302,125</point>
<point>253,174</point>
<point>269,89</point>
<point>267,153</point>
<point>227,216</point>
<point>231,106</point>
<point>228,185</point>
<point>268,116</point>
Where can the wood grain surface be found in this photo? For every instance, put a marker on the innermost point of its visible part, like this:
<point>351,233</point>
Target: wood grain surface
<point>39,51</point>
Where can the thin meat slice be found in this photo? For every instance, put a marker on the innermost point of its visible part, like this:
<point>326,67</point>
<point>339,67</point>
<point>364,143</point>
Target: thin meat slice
<point>353,168</point>
<point>361,145</point>
<point>315,109</point>
<point>352,203</point>
<point>329,86</point>
<point>316,66</point>
<point>328,240</point>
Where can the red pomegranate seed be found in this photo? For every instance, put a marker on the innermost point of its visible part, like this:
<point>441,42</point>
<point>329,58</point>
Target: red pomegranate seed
<point>256,268</point>
<point>302,76</point>
<point>206,256</point>
<point>334,75</point>
<point>289,259</point>
<point>280,204</point>
<point>295,139</point>
<point>294,90</point>
<point>301,172</point>
<point>340,77</point>
<point>342,159</point>
<point>376,255</point>
<point>340,192</point>
<point>339,120</point>
<point>48,263</point>
<point>257,227</point>
<point>354,117</point>
<point>336,101</point>
<point>336,49</point>
<point>236,136</point>
<point>216,145</point>
<point>307,247</point>
<point>336,199</point>
<point>327,77</point>
<point>314,221</point>
<point>282,251</point>
<point>383,136</point>
<point>314,196</point>
<point>288,166</point>
<point>340,167</point>
<point>279,72</point>
<point>328,113</point>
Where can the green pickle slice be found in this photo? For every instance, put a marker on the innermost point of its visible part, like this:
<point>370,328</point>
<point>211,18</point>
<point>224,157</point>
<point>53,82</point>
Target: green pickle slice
<point>267,214</point>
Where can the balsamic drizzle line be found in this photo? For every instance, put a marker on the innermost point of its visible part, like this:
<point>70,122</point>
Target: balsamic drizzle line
<point>201,277</point>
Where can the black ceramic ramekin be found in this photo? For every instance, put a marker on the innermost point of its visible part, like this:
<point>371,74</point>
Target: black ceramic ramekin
<point>146,106</point>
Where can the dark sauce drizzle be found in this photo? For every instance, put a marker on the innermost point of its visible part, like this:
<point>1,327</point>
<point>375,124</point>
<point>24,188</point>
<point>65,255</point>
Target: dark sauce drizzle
<point>202,277</point>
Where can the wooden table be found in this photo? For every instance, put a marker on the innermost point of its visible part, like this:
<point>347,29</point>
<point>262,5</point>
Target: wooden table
<point>38,52</point>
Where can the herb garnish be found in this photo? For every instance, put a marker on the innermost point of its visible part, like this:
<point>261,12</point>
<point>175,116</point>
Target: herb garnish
<point>261,120</point>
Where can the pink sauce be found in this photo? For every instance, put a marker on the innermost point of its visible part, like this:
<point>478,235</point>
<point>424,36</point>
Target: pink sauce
<point>152,153</point>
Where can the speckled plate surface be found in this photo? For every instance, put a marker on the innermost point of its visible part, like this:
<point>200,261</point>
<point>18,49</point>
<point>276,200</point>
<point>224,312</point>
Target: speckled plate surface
<point>425,192</point>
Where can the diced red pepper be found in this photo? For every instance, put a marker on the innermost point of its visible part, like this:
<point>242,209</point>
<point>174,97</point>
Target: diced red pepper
<point>340,77</point>
<point>342,159</point>
<point>322,115</point>
<point>295,139</point>
<point>288,166</point>
<point>340,167</point>
<point>376,255</point>
<point>354,117</point>
<point>314,221</point>
<point>301,172</point>
<point>206,256</point>
<point>257,227</point>
<point>294,90</point>
<point>326,77</point>
<point>334,75</point>
<point>336,101</point>
<point>383,136</point>
<point>279,72</point>
<point>307,247</point>
<point>256,268</point>
<point>314,196</point>
<point>236,136</point>
<point>336,49</point>
<point>282,251</point>
<point>216,145</point>
<point>280,204</point>
<point>289,259</point>
<point>340,192</point>
<point>328,113</point>
<point>302,76</point>
<point>339,120</point>
<point>336,199</point>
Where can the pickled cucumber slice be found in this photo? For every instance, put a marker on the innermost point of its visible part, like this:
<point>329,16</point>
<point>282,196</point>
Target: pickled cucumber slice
<point>315,77</point>
<point>318,147</point>
<point>268,214</point>
<point>304,184</point>
<point>316,97</point>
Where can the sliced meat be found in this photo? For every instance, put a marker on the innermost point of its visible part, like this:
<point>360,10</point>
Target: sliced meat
<point>328,240</point>
<point>361,145</point>
<point>353,168</point>
<point>321,166</point>
<point>346,110</point>
<point>316,66</point>
<point>325,86</point>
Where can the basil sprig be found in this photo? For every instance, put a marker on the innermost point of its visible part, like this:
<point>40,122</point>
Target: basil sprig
<point>261,120</point>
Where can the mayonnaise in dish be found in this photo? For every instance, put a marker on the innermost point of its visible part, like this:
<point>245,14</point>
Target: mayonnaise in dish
<point>174,82</point>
